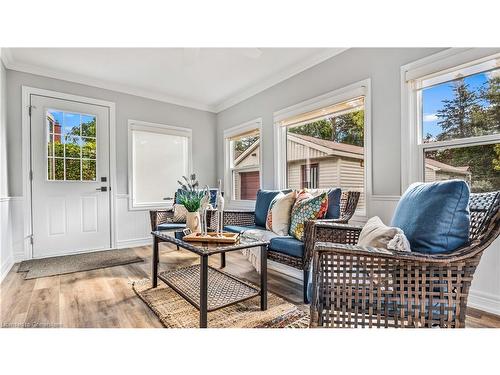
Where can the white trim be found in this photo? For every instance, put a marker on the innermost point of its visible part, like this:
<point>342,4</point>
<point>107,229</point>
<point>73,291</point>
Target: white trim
<point>285,270</point>
<point>484,301</point>
<point>411,141</point>
<point>234,99</point>
<point>94,82</point>
<point>9,199</point>
<point>228,188</point>
<point>6,267</point>
<point>153,128</point>
<point>26,155</point>
<point>386,198</point>
<point>360,88</point>
<point>281,76</point>
<point>145,241</point>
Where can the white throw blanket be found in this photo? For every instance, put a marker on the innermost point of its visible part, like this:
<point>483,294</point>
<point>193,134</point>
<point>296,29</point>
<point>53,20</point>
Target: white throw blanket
<point>253,254</point>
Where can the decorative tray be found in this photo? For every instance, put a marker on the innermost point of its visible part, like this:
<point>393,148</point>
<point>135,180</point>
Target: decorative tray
<point>212,237</point>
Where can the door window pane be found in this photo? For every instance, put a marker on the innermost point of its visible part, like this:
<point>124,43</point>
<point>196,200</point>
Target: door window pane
<point>50,145</point>
<point>72,147</point>
<point>88,170</point>
<point>50,168</point>
<point>73,169</point>
<point>478,165</point>
<point>58,146</point>
<point>88,126</point>
<point>88,148</point>
<point>461,108</point>
<point>71,123</point>
<point>67,150</point>
<point>59,169</point>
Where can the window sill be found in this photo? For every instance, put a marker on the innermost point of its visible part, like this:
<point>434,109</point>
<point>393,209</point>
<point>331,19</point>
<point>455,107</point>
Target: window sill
<point>240,205</point>
<point>132,207</point>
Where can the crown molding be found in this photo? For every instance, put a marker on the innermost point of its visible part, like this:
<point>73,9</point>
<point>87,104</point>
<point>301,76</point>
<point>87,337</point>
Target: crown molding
<point>277,78</point>
<point>6,56</point>
<point>10,63</point>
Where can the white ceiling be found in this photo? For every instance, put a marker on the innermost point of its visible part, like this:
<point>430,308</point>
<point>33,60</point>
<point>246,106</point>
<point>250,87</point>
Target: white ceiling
<point>205,78</point>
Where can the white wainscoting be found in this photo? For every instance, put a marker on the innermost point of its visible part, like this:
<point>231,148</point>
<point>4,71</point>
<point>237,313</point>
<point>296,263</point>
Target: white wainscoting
<point>12,241</point>
<point>383,206</point>
<point>133,228</point>
<point>485,289</point>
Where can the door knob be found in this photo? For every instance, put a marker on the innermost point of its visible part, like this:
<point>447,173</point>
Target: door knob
<point>102,188</point>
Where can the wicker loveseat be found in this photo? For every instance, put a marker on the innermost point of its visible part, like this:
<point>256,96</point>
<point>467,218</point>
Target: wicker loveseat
<point>348,203</point>
<point>357,286</point>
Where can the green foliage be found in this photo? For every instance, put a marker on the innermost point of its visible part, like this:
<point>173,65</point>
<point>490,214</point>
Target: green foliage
<point>190,196</point>
<point>459,114</point>
<point>191,200</point>
<point>467,115</point>
<point>73,150</point>
<point>241,145</point>
<point>346,128</point>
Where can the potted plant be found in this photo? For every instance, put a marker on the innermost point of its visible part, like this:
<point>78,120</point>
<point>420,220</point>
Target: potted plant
<point>191,197</point>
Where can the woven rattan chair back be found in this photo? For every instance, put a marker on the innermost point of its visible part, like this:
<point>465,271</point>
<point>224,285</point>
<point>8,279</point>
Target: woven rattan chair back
<point>365,287</point>
<point>483,207</point>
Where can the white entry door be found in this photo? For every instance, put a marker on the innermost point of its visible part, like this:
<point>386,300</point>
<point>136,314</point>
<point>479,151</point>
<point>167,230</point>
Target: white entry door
<point>70,180</point>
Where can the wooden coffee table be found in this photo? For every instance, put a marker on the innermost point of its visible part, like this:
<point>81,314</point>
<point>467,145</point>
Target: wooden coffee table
<point>204,287</point>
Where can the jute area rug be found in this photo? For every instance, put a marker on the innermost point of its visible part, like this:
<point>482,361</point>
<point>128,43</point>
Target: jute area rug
<point>175,312</point>
<point>61,265</point>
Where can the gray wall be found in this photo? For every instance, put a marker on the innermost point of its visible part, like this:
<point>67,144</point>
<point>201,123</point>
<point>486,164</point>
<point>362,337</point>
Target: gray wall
<point>127,107</point>
<point>382,65</point>
<point>3,132</point>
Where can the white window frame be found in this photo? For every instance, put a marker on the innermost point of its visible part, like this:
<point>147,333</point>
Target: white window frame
<point>159,129</point>
<point>357,89</point>
<point>228,169</point>
<point>412,147</point>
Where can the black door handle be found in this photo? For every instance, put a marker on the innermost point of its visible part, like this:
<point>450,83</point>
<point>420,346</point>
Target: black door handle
<point>102,188</point>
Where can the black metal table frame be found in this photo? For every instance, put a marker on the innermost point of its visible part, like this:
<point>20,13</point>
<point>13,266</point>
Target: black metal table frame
<point>157,239</point>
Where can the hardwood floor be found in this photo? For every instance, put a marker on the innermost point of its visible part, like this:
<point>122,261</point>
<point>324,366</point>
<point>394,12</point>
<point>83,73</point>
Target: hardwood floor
<point>104,298</point>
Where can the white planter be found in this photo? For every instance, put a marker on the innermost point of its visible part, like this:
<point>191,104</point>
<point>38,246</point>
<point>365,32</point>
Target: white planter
<point>193,221</point>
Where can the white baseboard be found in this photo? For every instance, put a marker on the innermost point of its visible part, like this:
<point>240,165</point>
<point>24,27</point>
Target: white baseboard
<point>484,301</point>
<point>134,242</point>
<point>6,267</point>
<point>286,270</point>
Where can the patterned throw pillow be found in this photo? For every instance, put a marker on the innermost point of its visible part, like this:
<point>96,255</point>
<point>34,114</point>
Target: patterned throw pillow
<point>307,208</point>
<point>179,213</point>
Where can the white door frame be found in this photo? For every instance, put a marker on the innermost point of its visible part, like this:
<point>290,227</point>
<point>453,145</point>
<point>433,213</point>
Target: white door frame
<point>26,158</point>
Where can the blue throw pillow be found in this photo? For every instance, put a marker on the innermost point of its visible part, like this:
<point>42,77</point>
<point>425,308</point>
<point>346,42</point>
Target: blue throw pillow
<point>434,216</point>
<point>333,203</point>
<point>264,198</point>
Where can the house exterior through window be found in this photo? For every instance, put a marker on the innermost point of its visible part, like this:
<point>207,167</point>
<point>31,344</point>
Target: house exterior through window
<point>456,123</point>
<point>310,176</point>
<point>325,148</point>
<point>243,161</point>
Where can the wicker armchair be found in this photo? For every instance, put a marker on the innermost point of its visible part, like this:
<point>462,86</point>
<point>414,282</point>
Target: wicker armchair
<point>357,286</point>
<point>164,216</point>
<point>348,203</point>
